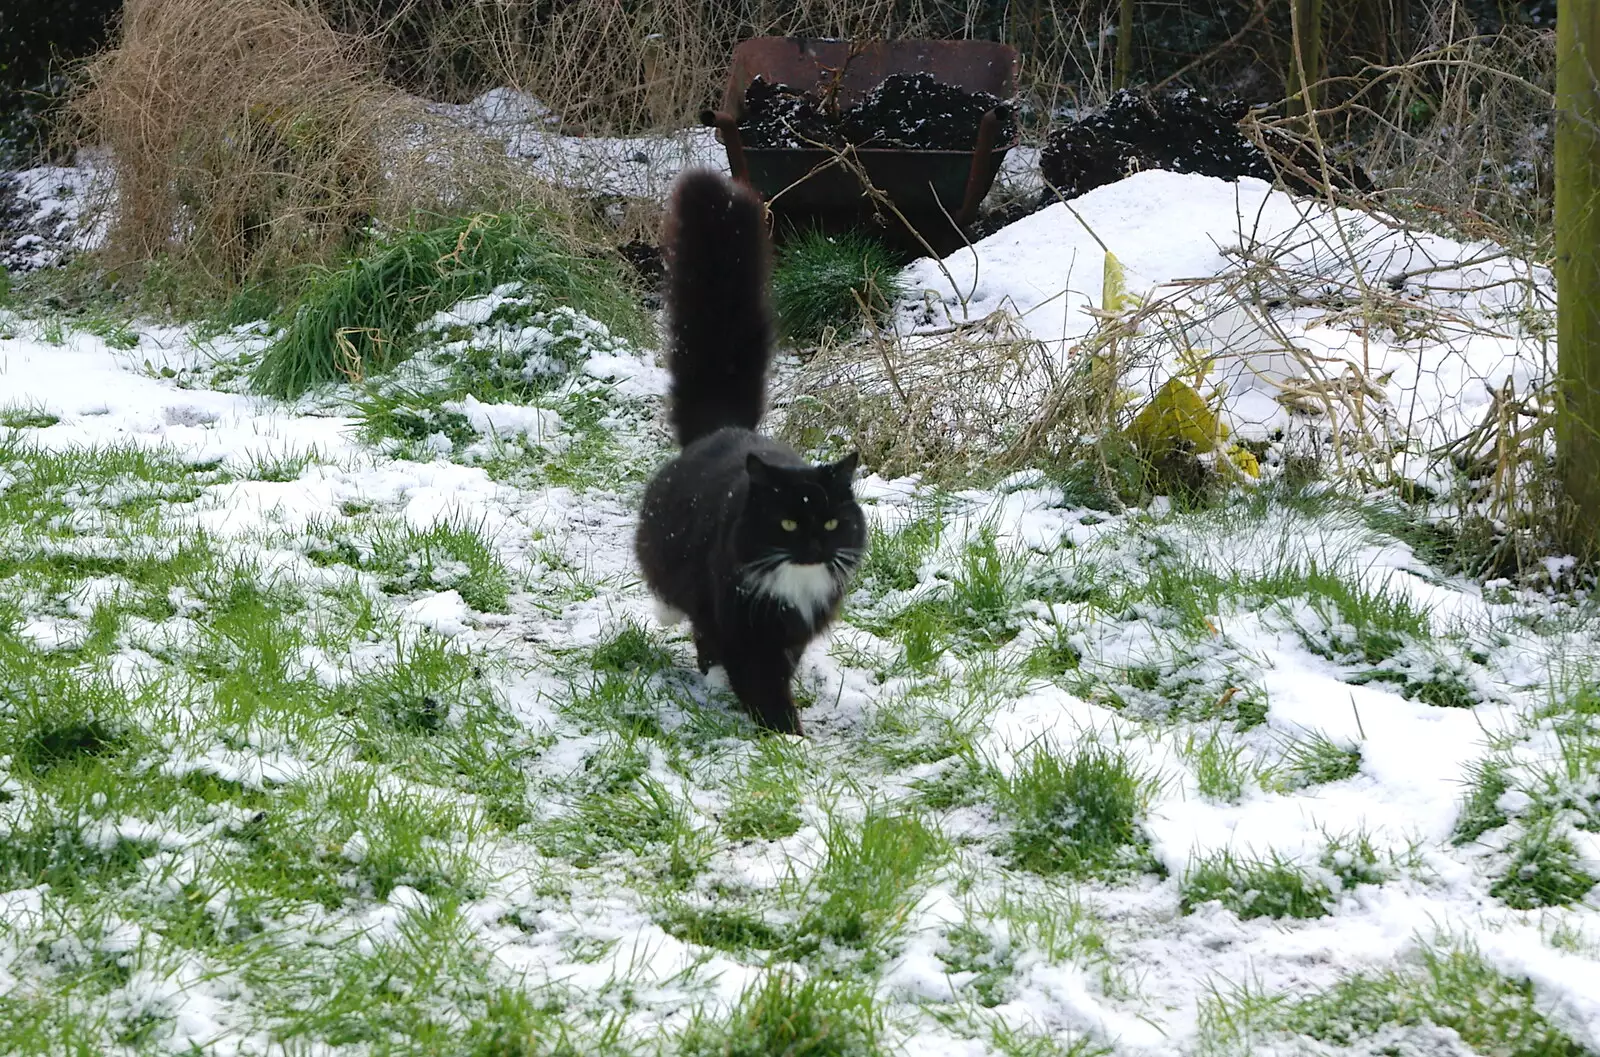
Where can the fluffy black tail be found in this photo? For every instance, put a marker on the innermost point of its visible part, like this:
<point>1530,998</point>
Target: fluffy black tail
<point>719,323</point>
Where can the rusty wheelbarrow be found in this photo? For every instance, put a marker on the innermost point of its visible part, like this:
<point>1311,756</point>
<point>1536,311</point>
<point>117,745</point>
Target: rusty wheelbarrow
<point>937,192</point>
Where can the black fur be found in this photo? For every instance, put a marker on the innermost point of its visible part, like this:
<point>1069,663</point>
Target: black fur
<point>737,513</point>
<point>719,327</point>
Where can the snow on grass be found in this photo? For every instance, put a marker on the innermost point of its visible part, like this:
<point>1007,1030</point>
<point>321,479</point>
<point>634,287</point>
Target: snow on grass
<point>323,737</point>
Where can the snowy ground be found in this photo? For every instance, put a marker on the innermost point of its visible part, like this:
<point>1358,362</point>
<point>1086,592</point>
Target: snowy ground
<point>319,737</point>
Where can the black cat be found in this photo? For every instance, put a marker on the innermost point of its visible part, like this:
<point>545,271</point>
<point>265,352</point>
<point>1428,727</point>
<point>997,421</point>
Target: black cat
<point>738,533</point>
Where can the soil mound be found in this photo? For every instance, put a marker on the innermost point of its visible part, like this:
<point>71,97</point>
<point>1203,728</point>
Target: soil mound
<point>908,111</point>
<point>1180,131</point>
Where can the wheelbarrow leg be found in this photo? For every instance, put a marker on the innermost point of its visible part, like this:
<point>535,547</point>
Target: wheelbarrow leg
<point>979,176</point>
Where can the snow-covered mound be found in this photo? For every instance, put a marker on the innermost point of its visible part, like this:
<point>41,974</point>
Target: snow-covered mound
<point>1277,288</point>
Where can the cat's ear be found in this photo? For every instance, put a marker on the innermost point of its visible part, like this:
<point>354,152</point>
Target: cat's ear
<point>844,471</point>
<point>757,468</point>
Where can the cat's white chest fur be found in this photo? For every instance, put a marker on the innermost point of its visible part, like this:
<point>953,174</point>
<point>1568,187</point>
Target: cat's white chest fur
<point>808,588</point>
<point>667,616</point>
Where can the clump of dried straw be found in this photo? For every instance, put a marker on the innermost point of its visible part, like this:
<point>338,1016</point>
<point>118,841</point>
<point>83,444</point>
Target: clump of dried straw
<point>248,137</point>
<point>977,398</point>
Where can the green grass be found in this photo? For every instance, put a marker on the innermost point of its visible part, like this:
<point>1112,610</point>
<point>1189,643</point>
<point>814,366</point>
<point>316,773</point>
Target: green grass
<point>976,603</point>
<point>362,318</point>
<point>764,801</point>
<point>1454,989</point>
<point>1487,781</point>
<point>1543,868</point>
<point>895,559</point>
<point>1314,759</point>
<point>282,466</point>
<point>631,648</point>
<point>1353,859</point>
<point>1075,814</point>
<point>963,781</point>
<point>1056,656</point>
<point>782,1015</point>
<point>735,930</point>
<point>1219,771</point>
<point>450,554</point>
<point>1254,888</point>
<point>968,949</point>
<point>869,878</point>
<point>913,730</point>
<point>628,814</point>
<point>116,333</point>
<point>823,281</point>
<point>16,417</point>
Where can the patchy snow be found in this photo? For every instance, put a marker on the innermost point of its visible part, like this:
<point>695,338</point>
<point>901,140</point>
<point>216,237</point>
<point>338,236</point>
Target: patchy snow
<point>538,424</point>
<point>627,166</point>
<point>594,933</point>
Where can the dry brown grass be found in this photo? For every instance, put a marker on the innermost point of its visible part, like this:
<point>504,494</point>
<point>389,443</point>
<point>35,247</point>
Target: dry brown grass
<point>249,138</point>
<point>965,403</point>
<point>609,67</point>
<point>244,135</point>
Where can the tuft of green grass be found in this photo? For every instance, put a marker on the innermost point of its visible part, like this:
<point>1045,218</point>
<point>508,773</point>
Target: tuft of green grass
<point>1255,888</point>
<point>116,333</point>
<point>1487,781</point>
<point>979,602</point>
<point>906,732</point>
<point>362,318</point>
<point>1315,759</point>
<point>961,782</point>
<point>1438,683</point>
<point>825,281</point>
<point>631,648</point>
<point>1543,869</point>
<point>736,930</point>
<point>1019,1042</point>
<point>1055,656</point>
<point>629,812</point>
<point>968,949</point>
<point>283,466</point>
<point>17,417</point>
<point>1218,770</point>
<point>449,554</point>
<point>1353,860</point>
<point>895,559</point>
<point>764,804</point>
<point>1076,814</point>
<point>987,587</point>
<point>1455,989</point>
<point>868,878</point>
<point>419,690</point>
<point>47,848</point>
<point>783,1015</point>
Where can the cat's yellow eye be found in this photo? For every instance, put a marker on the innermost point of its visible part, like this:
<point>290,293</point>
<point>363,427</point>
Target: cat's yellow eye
<point>788,525</point>
<point>830,524</point>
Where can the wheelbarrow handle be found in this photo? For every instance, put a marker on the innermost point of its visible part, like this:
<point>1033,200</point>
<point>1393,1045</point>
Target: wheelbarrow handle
<point>982,158</point>
<point>728,125</point>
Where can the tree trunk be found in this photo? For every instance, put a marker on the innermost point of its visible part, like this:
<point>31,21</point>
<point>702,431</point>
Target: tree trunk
<point>1120,75</point>
<point>1305,54</point>
<point>1577,266</point>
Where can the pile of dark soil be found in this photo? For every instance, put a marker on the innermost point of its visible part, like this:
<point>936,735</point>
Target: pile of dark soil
<point>1179,131</point>
<point>29,235</point>
<point>908,111</point>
